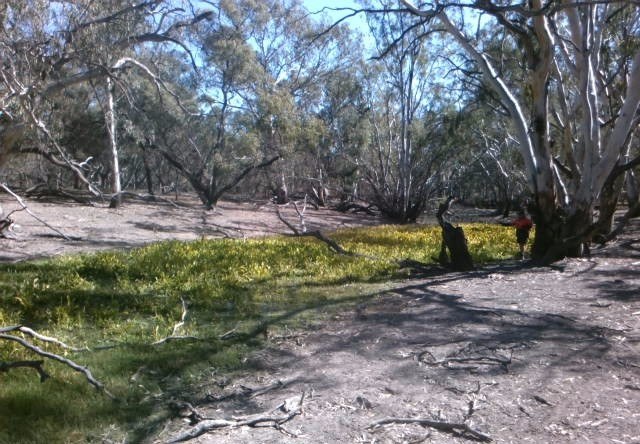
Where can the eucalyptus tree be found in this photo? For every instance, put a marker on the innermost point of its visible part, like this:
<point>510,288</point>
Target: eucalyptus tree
<point>345,115</point>
<point>573,115</point>
<point>405,148</point>
<point>489,170</point>
<point>53,51</point>
<point>256,91</point>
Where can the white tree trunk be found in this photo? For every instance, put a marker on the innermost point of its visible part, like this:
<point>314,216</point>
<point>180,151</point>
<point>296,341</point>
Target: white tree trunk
<point>616,143</point>
<point>506,96</point>
<point>113,139</point>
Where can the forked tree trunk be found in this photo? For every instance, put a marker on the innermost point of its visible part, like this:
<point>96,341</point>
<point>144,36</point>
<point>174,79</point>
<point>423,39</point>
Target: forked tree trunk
<point>560,235</point>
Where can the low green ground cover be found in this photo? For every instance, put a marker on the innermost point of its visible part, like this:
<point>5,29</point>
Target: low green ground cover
<point>118,304</point>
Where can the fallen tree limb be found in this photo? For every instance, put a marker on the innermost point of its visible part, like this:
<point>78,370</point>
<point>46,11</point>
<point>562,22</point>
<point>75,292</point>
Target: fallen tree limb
<point>333,245</point>
<point>41,337</point>
<point>36,365</point>
<point>45,354</point>
<point>275,421</point>
<point>460,429</point>
<point>249,393</point>
<point>24,207</point>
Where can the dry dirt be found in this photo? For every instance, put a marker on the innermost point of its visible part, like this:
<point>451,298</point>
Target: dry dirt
<point>519,354</point>
<point>136,223</point>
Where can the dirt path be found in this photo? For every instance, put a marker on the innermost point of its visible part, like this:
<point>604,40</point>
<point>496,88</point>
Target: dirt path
<point>519,354</point>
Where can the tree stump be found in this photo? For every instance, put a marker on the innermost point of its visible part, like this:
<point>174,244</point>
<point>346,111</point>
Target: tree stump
<point>456,243</point>
<point>454,240</point>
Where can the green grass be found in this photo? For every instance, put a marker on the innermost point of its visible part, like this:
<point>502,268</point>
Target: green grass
<point>119,303</point>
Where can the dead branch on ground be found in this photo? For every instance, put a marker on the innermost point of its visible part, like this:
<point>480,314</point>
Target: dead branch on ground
<point>478,360</point>
<point>36,365</point>
<point>24,207</point>
<point>145,198</point>
<point>291,409</point>
<point>250,393</point>
<point>333,245</point>
<point>460,429</point>
<point>45,354</point>
<point>40,337</point>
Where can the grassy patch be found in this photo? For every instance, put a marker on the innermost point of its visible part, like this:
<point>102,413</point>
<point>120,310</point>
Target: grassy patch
<point>118,304</point>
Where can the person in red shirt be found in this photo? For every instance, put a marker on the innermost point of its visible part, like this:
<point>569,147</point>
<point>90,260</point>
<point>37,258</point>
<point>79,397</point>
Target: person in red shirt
<point>523,225</point>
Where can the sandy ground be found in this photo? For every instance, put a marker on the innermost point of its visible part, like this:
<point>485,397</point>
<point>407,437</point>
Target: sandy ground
<point>517,354</point>
<point>137,223</point>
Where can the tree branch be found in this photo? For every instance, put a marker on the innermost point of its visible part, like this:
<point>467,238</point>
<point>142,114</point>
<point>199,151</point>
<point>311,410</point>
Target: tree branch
<point>36,365</point>
<point>275,421</point>
<point>451,427</point>
<point>24,206</point>
<point>37,350</point>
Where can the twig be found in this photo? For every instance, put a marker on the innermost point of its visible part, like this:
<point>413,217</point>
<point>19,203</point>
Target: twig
<point>274,421</point>
<point>451,427</point>
<point>24,206</point>
<point>176,327</point>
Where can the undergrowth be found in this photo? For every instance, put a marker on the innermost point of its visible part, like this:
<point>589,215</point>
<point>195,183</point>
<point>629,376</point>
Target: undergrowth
<point>118,303</point>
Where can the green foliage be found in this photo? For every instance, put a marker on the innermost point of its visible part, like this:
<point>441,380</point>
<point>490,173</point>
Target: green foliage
<point>131,299</point>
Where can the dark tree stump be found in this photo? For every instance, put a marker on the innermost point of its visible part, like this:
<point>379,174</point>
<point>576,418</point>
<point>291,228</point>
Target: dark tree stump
<point>454,240</point>
<point>456,243</point>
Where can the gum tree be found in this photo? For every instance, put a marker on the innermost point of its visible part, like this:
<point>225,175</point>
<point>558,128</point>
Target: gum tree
<point>52,51</point>
<point>574,114</point>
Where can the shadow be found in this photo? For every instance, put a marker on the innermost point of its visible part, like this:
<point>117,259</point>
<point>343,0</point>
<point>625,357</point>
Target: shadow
<point>620,283</point>
<point>421,319</point>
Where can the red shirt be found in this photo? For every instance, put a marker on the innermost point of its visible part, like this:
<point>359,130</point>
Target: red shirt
<point>522,223</point>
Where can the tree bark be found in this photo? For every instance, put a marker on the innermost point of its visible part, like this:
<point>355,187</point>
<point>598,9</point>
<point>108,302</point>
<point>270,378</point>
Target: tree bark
<point>116,187</point>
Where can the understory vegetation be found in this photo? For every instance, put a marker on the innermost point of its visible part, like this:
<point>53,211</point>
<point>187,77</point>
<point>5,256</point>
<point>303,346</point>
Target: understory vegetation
<point>231,295</point>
